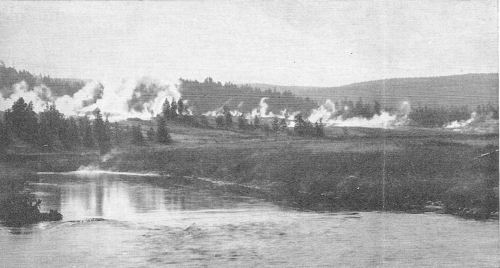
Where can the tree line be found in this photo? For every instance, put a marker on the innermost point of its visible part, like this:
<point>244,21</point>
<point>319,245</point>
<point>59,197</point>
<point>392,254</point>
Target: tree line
<point>50,130</point>
<point>10,76</point>
<point>439,116</point>
<point>209,95</point>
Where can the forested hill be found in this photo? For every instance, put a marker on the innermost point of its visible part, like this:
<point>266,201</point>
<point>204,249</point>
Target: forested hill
<point>210,95</point>
<point>9,76</point>
<point>457,90</point>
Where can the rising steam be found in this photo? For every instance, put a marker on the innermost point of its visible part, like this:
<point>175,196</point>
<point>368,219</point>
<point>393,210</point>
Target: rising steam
<point>39,96</point>
<point>142,98</point>
<point>326,114</point>
<point>461,123</point>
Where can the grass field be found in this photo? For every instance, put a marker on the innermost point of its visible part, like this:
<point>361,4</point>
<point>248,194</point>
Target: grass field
<point>367,169</point>
<point>338,172</point>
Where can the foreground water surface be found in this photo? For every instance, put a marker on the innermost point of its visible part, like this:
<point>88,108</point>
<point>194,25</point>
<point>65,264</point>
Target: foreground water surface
<point>128,221</point>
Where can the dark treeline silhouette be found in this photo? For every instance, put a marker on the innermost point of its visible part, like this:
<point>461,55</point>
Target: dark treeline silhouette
<point>440,116</point>
<point>306,128</point>
<point>348,108</point>
<point>59,87</point>
<point>174,110</point>
<point>210,95</point>
<point>50,130</point>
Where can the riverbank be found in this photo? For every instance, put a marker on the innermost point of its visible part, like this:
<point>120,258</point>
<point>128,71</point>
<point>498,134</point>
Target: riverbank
<point>418,173</point>
<point>17,206</point>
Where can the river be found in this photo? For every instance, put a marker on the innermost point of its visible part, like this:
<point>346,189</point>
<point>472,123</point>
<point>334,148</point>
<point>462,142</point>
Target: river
<point>116,220</point>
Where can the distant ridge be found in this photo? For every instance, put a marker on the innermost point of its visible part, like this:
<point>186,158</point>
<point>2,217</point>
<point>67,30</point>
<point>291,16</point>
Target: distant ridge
<point>467,89</point>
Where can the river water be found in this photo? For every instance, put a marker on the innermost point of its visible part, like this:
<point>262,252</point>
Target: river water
<point>128,221</point>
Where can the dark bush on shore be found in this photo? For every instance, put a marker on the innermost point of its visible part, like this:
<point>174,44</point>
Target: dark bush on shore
<point>22,208</point>
<point>19,208</point>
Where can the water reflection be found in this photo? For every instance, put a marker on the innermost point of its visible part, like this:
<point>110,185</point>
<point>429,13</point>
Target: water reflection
<point>113,197</point>
<point>133,222</point>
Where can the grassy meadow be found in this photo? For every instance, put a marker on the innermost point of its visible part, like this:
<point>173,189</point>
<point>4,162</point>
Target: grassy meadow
<point>416,167</point>
<point>358,169</point>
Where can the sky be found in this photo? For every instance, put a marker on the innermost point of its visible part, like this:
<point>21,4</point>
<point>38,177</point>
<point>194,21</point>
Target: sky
<point>308,43</point>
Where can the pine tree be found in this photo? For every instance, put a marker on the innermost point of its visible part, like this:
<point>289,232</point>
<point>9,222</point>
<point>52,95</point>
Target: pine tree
<point>116,133</point>
<point>275,124</point>
<point>180,107</point>
<point>73,135</point>
<point>100,133</point>
<point>151,134</point>
<point>137,137</point>
<point>204,121</point>
<point>377,108</point>
<point>282,124</point>
<point>162,135</point>
<point>51,131</point>
<point>5,137</point>
<point>173,109</point>
<point>256,122</point>
<point>319,129</point>
<point>219,121</point>
<point>166,109</point>
<point>299,127</point>
<point>242,122</point>
<point>86,132</point>
<point>228,117</point>
<point>23,120</point>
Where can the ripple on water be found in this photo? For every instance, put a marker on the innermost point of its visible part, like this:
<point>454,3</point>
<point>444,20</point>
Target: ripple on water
<point>124,221</point>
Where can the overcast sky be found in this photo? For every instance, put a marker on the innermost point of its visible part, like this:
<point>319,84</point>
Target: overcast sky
<point>321,43</point>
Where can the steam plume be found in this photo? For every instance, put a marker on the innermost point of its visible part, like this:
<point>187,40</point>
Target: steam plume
<point>40,96</point>
<point>128,98</point>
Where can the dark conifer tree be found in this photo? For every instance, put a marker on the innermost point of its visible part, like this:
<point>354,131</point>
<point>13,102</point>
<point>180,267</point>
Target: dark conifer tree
<point>219,121</point>
<point>377,108</point>
<point>299,127</point>
<point>173,109</point>
<point>73,134</point>
<point>228,117</point>
<point>318,126</point>
<point>283,124</point>
<point>86,132</point>
<point>100,133</point>
<point>5,136</point>
<point>275,126</point>
<point>242,122</point>
<point>151,134</point>
<point>51,132</point>
<point>137,137</point>
<point>162,135</point>
<point>166,109</point>
<point>116,133</point>
<point>256,122</point>
<point>23,120</point>
<point>180,107</point>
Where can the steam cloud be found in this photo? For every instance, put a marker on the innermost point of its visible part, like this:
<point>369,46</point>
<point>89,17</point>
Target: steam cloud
<point>457,125</point>
<point>326,113</point>
<point>39,96</point>
<point>260,111</point>
<point>129,98</point>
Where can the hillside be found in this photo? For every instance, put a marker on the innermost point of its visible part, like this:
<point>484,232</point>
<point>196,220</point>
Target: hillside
<point>9,76</point>
<point>468,89</point>
<point>210,95</point>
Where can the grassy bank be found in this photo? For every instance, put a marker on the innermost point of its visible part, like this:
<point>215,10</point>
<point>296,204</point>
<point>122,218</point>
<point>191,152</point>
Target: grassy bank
<point>361,172</point>
<point>326,174</point>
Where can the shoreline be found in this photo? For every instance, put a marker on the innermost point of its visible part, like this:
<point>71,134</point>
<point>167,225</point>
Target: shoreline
<point>422,174</point>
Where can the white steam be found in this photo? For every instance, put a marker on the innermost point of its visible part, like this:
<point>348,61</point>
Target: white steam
<point>461,123</point>
<point>327,114</point>
<point>142,98</point>
<point>40,96</point>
